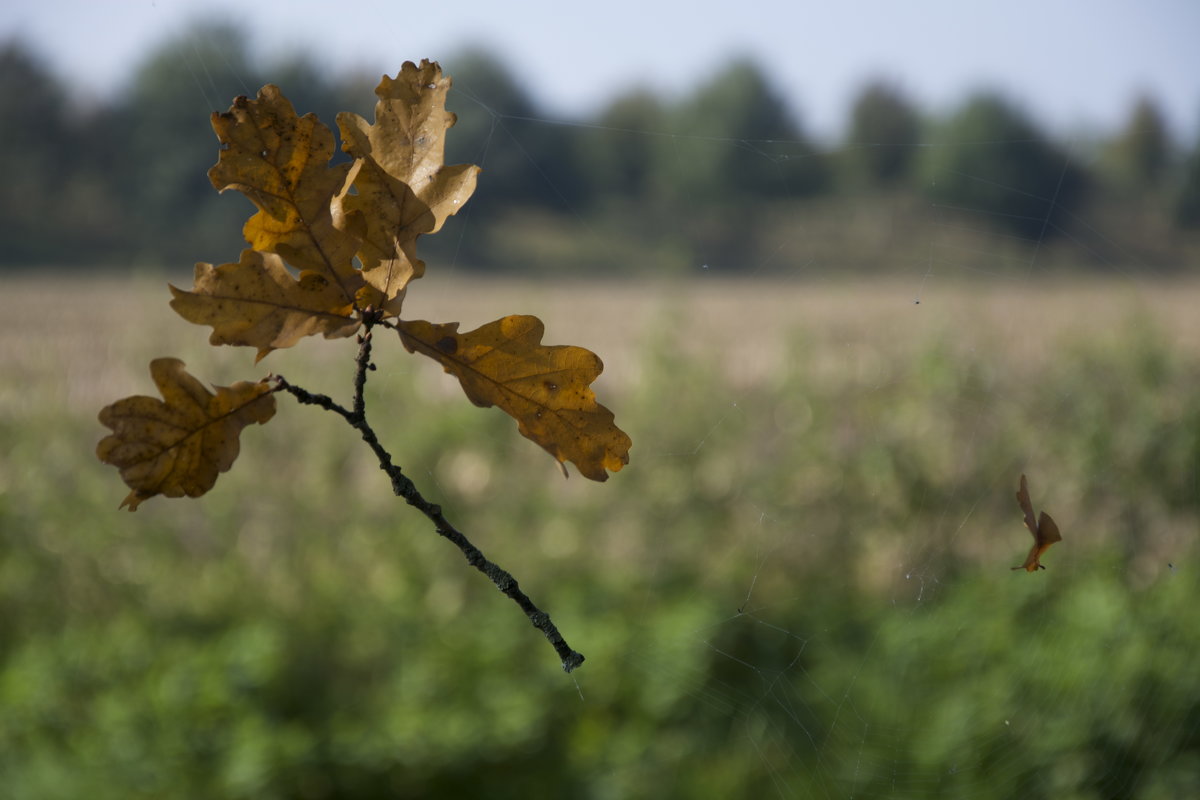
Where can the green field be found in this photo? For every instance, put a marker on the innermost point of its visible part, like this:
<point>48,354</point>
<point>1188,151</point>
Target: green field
<point>799,587</point>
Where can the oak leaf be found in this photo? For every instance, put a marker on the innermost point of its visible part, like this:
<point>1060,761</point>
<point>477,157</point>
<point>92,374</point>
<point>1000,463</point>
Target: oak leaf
<point>280,161</point>
<point>257,302</point>
<point>321,218</point>
<point>403,188</point>
<point>1044,530</point>
<point>178,445</point>
<point>545,388</point>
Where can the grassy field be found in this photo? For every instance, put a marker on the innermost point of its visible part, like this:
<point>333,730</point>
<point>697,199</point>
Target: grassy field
<point>799,587</point>
<point>744,327</point>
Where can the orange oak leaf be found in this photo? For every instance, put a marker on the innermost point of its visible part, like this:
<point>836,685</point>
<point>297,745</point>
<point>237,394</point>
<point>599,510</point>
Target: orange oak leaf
<point>545,388</point>
<point>178,445</point>
<point>403,188</point>
<point>256,302</point>
<point>281,162</point>
<point>1044,530</point>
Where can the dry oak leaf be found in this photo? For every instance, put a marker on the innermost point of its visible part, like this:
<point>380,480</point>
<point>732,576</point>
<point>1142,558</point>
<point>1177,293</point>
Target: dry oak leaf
<point>1044,530</point>
<point>402,185</point>
<point>178,445</point>
<point>257,303</point>
<point>281,162</point>
<point>545,388</point>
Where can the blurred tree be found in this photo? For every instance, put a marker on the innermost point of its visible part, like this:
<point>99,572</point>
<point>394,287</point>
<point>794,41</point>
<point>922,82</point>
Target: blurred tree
<point>1140,153</point>
<point>353,91</point>
<point>735,139</point>
<point>169,146</point>
<point>527,159</point>
<point>618,154</point>
<point>315,89</point>
<point>1186,200</point>
<point>991,160</point>
<point>733,152</point>
<point>530,165</point>
<point>884,131</point>
<point>101,230</point>
<point>35,148</point>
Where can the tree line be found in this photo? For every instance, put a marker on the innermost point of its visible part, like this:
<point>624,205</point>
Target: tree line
<point>719,175</point>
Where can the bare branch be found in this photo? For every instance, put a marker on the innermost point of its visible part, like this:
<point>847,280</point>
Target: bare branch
<point>405,488</point>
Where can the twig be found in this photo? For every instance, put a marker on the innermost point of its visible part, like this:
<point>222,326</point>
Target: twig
<point>403,487</point>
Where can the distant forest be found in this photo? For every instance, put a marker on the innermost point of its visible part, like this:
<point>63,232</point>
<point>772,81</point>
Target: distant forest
<point>723,178</point>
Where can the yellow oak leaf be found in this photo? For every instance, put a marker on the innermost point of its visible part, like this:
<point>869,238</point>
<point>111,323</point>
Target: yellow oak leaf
<point>545,388</point>
<point>281,162</point>
<point>402,186</point>
<point>256,302</point>
<point>178,445</point>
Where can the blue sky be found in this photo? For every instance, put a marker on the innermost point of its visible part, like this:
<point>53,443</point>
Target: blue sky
<point>1072,63</point>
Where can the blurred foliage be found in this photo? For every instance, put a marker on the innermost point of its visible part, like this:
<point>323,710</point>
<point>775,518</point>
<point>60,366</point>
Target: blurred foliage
<point>528,160</point>
<point>53,200</point>
<point>125,183</point>
<point>885,131</point>
<point>1186,197</point>
<point>735,151</point>
<point>164,140</point>
<point>723,176</point>
<point>1141,153</point>
<point>621,152</point>
<point>737,145</point>
<point>805,593</point>
<point>990,163</point>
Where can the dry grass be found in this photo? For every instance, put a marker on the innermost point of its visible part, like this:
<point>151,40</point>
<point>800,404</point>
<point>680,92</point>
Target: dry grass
<point>88,339</point>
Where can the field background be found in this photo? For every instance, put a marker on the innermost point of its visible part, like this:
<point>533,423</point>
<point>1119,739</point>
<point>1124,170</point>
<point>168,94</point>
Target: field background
<point>799,587</point>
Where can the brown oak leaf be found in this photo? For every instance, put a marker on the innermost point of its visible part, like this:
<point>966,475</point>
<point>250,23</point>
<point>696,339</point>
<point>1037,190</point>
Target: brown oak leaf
<point>403,188</point>
<point>1044,530</point>
<point>256,302</point>
<point>281,162</point>
<point>178,445</point>
<point>545,388</point>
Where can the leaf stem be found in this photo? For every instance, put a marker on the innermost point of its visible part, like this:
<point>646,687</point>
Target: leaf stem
<point>405,488</point>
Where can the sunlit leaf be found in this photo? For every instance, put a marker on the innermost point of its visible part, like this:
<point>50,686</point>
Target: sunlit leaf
<point>281,162</point>
<point>178,445</point>
<point>256,302</point>
<point>334,248</point>
<point>545,388</point>
<point>402,187</point>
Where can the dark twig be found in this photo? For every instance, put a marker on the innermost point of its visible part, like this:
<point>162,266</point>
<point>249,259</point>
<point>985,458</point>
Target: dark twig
<point>403,487</point>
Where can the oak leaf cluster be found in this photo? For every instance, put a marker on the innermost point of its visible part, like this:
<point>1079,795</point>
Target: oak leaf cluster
<point>332,250</point>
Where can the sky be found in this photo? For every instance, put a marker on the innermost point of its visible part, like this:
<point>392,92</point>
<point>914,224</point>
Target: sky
<point>1074,64</point>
